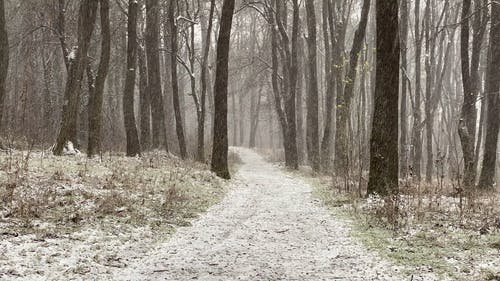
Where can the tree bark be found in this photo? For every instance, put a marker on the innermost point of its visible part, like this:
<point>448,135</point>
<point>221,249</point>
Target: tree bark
<point>467,122</point>
<point>330,94</point>
<point>220,140</point>
<point>144,100</point>
<point>312,131</point>
<point>384,161</point>
<point>204,82</point>
<point>96,96</point>
<point>417,117</point>
<point>4,60</point>
<point>175,82</point>
<point>344,106</point>
<point>86,21</point>
<point>487,176</point>
<point>154,74</point>
<point>133,145</point>
<point>403,134</point>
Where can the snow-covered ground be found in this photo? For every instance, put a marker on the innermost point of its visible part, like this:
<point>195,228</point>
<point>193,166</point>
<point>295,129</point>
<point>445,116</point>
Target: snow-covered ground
<point>269,227</point>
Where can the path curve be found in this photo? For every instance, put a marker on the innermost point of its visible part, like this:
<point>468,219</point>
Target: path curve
<point>269,227</point>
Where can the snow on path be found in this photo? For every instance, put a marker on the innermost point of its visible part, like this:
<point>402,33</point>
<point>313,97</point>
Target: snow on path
<point>267,228</point>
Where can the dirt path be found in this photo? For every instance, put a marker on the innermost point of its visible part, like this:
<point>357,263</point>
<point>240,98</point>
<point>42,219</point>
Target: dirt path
<point>268,228</point>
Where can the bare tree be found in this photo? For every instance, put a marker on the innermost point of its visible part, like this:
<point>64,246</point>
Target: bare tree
<point>96,93</point>
<point>78,62</point>
<point>403,134</point>
<point>312,95</point>
<point>384,140</point>
<point>4,59</point>
<point>344,108</point>
<point>154,74</point>
<point>487,177</point>
<point>416,139</point>
<point>175,82</point>
<point>204,82</point>
<point>220,140</point>
<point>133,145</point>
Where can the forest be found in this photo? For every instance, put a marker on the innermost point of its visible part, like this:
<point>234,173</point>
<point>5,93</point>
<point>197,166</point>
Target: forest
<point>249,139</point>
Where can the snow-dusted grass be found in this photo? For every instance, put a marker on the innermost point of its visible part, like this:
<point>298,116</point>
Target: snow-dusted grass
<point>70,217</point>
<point>450,238</point>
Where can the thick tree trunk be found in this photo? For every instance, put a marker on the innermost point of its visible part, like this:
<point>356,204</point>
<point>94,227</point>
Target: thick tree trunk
<point>133,145</point>
<point>487,177</point>
<point>4,61</point>
<point>154,74</point>
<point>86,21</point>
<point>384,140</point>
<point>220,141</point>
<point>96,96</point>
<point>312,131</point>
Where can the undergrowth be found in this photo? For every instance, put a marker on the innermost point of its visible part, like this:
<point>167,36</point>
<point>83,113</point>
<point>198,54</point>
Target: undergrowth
<point>431,230</point>
<point>48,195</point>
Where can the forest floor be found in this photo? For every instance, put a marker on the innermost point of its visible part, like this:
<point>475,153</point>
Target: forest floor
<point>73,218</point>
<point>436,231</point>
<point>122,219</point>
<point>269,227</point>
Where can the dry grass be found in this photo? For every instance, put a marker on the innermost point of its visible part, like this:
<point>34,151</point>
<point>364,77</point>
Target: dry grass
<point>69,192</point>
<point>429,227</point>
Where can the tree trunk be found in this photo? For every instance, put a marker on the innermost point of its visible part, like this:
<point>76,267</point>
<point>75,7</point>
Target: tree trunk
<point>220,142</point>
<point>133,145</point>
<point>154,74</point>
<point>4,60</point>
<point>96,97</point>
<point>467,122</point>
<point>344,108</point>
<point>487,177</point>
<point>429,59</point>
<point>254,118</point>
<point>144,100</point>
<point>290,102</point>
<point>204,82</point>
<point>403,134</point>
<point>417,126</point>
<point>384,161</point>
<point>330,93</point>
<point>312,139</point>
<point>86,21</point>
<point>175,82</point>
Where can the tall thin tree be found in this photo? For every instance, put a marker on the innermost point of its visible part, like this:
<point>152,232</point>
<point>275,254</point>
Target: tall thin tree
<point>133,145</point>
<point>312,95</point>
<point>175,82</point>
<point>4,59</point>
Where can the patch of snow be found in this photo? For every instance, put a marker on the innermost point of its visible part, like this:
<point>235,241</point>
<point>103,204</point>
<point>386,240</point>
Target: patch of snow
<point>69,149</point>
